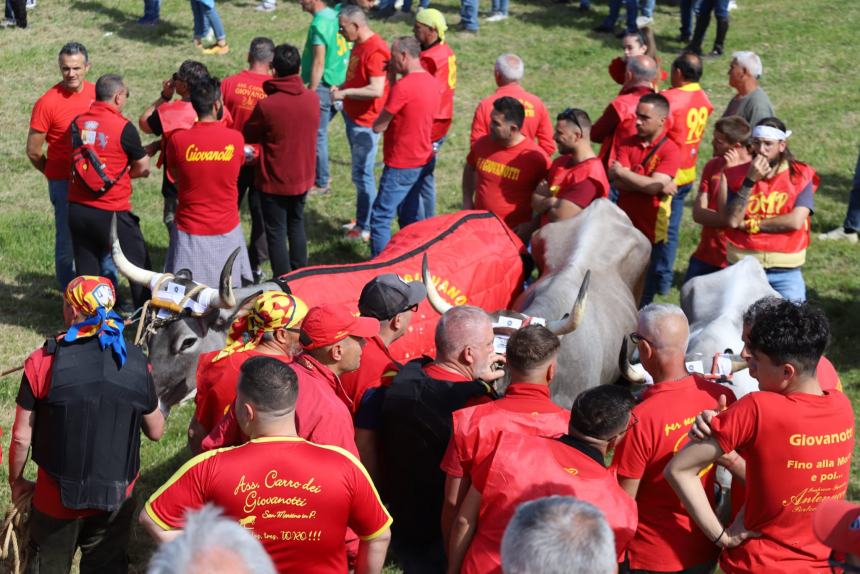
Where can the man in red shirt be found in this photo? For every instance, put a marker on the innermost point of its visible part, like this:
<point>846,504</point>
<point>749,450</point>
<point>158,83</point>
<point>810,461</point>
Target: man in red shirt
<point>666,539</point>
<point>526,467</point>
<point>117,144</point>
<point>241,93</point>
<point>690,109</point>
<point>508,72</point>
<point>504,167</point>
<point>731,140</point>
<point>297,497</point>
<point>205,162</point>
<point>438,59</point>
<point>363,94</point>
<point>619,118</point>
<point>576,177</point>
<point>407,148</point>
<point>643,172</point>
<point>415,428</point>
<point>49,124</point>
<point>532,356</point>
<point>270,327</point>
<point>795,443</point>
<point>285,125</point>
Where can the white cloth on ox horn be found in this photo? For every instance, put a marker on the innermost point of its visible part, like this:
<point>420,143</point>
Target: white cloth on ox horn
<point>171,294</point>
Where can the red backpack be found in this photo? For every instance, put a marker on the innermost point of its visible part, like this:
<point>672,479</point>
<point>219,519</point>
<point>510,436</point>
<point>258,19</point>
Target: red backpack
<point>87,168</point>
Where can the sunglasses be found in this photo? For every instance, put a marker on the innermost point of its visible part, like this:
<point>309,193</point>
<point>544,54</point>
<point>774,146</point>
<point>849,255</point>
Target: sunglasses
<point>570,115</point>
<point>636,338</point>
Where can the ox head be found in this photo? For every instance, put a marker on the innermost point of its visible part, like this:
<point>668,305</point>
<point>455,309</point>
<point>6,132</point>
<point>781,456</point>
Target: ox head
<point>187,319</point>
<point>506,321</point>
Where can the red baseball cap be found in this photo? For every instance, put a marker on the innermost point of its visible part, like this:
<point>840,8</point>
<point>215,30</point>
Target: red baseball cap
<point>328,324</point>
<point>836,524</point>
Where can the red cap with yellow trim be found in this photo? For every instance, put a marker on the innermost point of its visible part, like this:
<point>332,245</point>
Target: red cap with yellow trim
<point>327,324</point>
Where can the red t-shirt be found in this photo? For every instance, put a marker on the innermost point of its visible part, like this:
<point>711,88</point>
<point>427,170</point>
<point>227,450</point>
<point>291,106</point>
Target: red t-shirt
<point>712,244</point>
<point>51,115</point>
<point>667,539</point>
<point>241,93</point>
<point>206,160</point>
<point>412,101</point>
<point>297,498</point>
<point>216,384</point>
<point>506,177</point>
<point>367,60</point>
<point>525,409</point>
<point>797,450</point>
<point>536,125</point>
<point>377,369</point>
<point>649,213</point>
<point>579,183</point>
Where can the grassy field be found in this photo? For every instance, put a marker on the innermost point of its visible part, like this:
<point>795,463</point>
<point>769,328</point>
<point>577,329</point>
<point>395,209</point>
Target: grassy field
<point>810,74</point>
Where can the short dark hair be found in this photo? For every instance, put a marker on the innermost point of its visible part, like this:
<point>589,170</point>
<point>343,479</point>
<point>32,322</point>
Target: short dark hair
<point>73,49</point>
<point>286,61</point>
<point>107,86</point>
<point>531,347</point>
<point>204,94</point>
<point>262,50</point>
<point>789,332</point>
<point>601,412</point>
<point>690,66</point>
<point>575,116</point>
<point>269,384</point>
<point>511,109</point>
<point>637,34</point>
<point>659,101</point>
<point>408,44</point>
<point>736,129</point>
<point>191,71</point>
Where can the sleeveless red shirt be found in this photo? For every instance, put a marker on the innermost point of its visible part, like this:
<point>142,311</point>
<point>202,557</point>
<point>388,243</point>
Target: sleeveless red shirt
<point>441,62</point>
<point>690,109</point>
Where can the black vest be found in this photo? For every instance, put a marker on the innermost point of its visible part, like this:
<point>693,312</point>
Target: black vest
<point>416,428</point>
<point>87,430</point>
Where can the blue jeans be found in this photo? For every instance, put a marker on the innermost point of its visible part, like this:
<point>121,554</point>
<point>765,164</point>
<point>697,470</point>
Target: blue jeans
<point>363,142</point>
<point>151,9</point>
<point>399,194</point>
<point>469,14</point>
<point>647,7</point>
<point>852,217</point>
<point>632,7</point>
<point>687,9</point>
<point>788,283</point>
<point>428,187</point>
<point>204,17</point>
<point>407,5</point>
<point>719,7</point>
<point>652,276</point>
<point>698,268</point>
<point>500,6</point>
<point>327,113</point>
<point>668,263</point>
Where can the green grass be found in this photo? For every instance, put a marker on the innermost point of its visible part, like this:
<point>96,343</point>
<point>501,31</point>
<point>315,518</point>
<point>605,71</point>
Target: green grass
<point>809,75</point>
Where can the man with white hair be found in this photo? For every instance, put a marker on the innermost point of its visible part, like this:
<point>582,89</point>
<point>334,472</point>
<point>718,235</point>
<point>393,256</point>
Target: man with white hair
<point>751,102</point>
<point>508,72</point>
<point>416,428</point>
<point>558,535</point>
<point>214,544</point>
<point>666,540</point>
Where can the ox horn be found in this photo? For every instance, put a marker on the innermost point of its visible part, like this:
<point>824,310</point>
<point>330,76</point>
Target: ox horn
<point>569,323</point>
<point>738,363</point>
<point>134,273</point>
<point>433,296</point>
<point>627,370</point>
<point>225,299</point>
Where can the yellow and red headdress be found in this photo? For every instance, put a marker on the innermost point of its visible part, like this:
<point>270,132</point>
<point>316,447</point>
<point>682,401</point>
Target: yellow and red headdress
<point>271,311</point>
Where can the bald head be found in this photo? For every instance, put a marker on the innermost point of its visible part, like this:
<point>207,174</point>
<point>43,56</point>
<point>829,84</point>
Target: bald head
<point>664,326</point>
<point>641,69</point>
<point>460,327</point>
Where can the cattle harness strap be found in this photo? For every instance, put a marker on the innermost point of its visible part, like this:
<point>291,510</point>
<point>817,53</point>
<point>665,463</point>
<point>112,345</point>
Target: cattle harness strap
<point>15,534</point>
<point>150,323</point>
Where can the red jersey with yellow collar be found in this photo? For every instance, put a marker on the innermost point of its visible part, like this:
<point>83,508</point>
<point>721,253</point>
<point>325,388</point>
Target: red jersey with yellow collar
<point>690,109</point>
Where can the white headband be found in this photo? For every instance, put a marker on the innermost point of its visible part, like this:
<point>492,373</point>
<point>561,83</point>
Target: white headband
<point>770,133</point>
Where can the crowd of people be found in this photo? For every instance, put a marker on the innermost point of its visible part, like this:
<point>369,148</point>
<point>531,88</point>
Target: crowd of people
<point>310,436</point>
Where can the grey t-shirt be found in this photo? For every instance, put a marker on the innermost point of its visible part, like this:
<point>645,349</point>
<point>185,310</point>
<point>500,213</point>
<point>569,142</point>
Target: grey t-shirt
<point>752,107</point>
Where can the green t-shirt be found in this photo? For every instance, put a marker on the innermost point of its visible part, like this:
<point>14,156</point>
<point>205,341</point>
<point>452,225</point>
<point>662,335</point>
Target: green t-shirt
<point>324,30</point>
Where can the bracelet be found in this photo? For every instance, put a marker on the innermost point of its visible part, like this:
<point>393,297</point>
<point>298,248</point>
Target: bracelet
<point>720,535</point>
<point>165,98</point>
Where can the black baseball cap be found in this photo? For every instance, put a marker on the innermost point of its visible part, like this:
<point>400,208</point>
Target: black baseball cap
<point>387,295</point>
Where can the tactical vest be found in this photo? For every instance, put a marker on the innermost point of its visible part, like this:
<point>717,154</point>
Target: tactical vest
<point>416,428</point>
<point>87,430</point>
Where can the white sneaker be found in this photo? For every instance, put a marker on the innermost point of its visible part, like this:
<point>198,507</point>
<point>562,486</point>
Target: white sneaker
<point>644,21</point>
<point>265,7</point>
<point>31,4</point>
<point>497,17</point>
<point>838,234</point>
<point>732,5</point>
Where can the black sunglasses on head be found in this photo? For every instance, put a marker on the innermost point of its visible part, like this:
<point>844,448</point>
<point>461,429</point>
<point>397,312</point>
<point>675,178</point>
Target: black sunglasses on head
<point>570,115</point>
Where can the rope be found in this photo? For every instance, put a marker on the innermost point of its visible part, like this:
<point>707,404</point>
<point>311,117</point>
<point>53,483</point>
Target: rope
<point>16,534</point>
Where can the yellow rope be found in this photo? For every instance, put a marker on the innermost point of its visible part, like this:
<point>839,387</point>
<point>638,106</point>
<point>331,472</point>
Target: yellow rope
<point>15,534</point>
